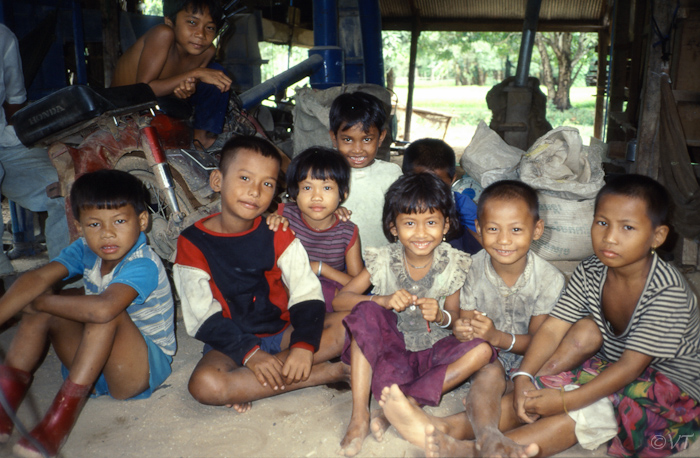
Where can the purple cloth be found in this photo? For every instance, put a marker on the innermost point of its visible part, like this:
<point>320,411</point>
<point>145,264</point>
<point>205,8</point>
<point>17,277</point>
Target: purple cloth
<point>330,289</point>
<point>419,374</point>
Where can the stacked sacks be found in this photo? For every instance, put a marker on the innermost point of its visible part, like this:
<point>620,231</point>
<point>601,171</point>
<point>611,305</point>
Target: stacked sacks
<point>566,174</point>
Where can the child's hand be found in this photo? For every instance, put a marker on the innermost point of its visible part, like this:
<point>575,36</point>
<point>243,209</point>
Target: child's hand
<point>343,213</point>
<point>274,221</point>
<point>463,330</point>
<point>267,369</point>
<point>399,300</point>
<point>429,307</point>
<point>214,77</point>
<point>523,386</point>
<point>186,88</point>
<point>543,403</point>
<point>297,368</point>
<point>483,328</point>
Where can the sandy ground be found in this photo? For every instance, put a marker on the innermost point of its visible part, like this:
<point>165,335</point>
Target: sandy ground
<point>305,423</point>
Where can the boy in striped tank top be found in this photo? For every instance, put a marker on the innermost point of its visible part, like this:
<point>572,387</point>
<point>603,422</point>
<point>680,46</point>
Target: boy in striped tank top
<point>640,316</point>
<point>319,181</point>
<point>117,338</point>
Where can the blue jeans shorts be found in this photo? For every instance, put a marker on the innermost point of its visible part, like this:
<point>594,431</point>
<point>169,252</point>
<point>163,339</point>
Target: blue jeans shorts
<point>270,344</point>
<point>158,367</point>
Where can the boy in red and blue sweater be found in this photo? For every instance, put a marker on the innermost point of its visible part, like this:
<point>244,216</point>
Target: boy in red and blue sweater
<point>249,293</point>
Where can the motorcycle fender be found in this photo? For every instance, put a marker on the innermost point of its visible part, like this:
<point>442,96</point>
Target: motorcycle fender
<point>194,167</point>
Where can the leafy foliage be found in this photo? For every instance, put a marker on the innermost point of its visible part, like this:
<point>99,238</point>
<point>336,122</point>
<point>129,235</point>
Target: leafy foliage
<point>152,7</point>
<point>571,52</point>
<point>467,57</point>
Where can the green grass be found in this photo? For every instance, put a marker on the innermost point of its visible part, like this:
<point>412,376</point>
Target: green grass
<point>467,106</point>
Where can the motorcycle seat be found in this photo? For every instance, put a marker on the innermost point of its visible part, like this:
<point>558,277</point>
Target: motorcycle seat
<point>68,109</point>
<point>59,112</point>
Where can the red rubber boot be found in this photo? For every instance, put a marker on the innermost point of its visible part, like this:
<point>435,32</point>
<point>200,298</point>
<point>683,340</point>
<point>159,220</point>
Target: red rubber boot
<point>14,384</point>
<point>53,430</point>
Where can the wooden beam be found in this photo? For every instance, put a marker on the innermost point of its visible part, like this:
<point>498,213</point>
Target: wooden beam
<point>110,38</point>
<point>640,39</point>
<point>647,161</point>
<point>620,43</point>
<point>277,32</point>
<point>489,25</point>
<point>415,34</point>
<point>601,84</point>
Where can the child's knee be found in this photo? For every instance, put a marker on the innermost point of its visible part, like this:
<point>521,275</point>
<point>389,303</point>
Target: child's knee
<point>585,336</point>
<point>491,372</point>
<point>205,384</point>
<point>483,353</point>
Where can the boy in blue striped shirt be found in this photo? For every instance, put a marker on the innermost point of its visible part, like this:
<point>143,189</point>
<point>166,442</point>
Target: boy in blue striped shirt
<point>118,337</point>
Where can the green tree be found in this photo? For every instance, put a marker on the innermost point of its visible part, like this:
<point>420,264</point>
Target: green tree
<point>396,46</point>
<point>468,57</point>
<point>152,7</point>
<point>570,51</point>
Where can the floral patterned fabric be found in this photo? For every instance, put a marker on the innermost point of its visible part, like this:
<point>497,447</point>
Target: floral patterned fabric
<point>655,418</point>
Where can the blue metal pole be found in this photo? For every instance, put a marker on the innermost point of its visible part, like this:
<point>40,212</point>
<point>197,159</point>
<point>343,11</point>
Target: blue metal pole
<point>331,73</point>
<point>257,94</point>
<point>371,25</point>
<point>79,42</point>
<point>325,23</point>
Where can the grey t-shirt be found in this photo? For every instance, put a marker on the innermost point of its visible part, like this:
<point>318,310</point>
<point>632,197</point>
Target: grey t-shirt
<point>535,293</point>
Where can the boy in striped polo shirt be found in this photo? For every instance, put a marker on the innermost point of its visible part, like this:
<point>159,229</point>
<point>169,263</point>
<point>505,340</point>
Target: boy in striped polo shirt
<point>118,337</point>
<point>640,393</point>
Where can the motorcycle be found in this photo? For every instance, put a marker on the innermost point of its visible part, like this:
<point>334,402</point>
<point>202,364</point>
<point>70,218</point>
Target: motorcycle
<point>127,128</point>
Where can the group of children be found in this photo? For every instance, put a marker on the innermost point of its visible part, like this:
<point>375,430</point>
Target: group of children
<point>373,275</point>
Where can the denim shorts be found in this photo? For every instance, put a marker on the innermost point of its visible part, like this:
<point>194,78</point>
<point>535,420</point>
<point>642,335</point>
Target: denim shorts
<point>158,367</point>
<point>270,344</point>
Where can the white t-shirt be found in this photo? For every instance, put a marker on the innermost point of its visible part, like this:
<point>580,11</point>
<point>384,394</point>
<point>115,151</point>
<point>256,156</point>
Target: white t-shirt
<point>366,200</point>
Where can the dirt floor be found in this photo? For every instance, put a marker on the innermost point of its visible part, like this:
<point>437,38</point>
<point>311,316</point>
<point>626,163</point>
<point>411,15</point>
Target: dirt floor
<point>305,423</point>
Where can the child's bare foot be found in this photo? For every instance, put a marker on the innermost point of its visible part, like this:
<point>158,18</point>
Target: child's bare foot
<point>354,437</point>
<point>405,415</point>
<point>378,424</point>
<point>243,407</point>
<point>495,444</point>
<point>438,444</point>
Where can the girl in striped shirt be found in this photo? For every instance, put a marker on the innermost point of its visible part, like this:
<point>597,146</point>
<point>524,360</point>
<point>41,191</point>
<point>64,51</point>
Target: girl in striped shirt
<point>628,324</point>
<point>318,180</point>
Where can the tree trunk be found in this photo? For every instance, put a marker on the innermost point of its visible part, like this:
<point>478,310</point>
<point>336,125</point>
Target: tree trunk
<point>460,80</point>
<point>547,75</point>
<point>563,52</point>
<point>390,79</point>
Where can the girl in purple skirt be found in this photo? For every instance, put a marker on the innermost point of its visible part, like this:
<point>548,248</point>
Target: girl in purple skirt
<point>401,332</point>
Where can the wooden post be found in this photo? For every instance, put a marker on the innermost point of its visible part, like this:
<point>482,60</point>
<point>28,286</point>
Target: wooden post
<point>601,84</point>
<point>647,161</point>
<point>415,34</point>
<point>110,37</point>
<point>619,54</point>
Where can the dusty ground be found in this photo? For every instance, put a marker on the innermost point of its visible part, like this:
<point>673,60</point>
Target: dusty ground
<point>305,423</point>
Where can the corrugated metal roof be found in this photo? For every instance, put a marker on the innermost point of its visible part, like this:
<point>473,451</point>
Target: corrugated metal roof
<point>466,14</point>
